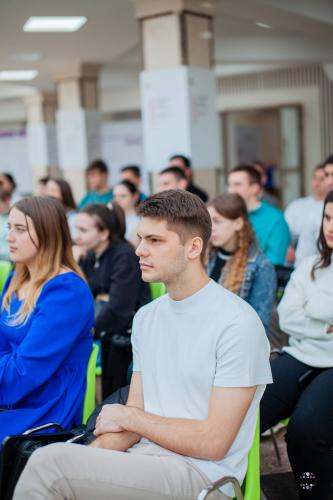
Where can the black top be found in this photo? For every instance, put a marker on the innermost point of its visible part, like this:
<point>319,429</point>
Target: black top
<point>192,188</point>
<point>222,257</point>
<point>116,273</point>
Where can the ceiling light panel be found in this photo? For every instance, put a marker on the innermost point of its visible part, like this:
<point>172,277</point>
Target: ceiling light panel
<point>54,24</point>
<point>18,75</point>
<point>264,25</point>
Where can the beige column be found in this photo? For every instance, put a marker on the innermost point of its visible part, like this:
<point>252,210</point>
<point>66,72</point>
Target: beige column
<point>78,122</point>
<point>178,85</point>
<point>41,135</point>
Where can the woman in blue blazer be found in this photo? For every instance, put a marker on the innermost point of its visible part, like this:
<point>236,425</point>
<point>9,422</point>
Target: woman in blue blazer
<point>45,324</point>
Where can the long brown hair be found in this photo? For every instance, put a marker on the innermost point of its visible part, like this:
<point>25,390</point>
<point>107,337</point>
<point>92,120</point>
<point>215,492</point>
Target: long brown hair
<point>54,251</point>
<point>232,206</point>
<point>67,198</point>
<point>325,252</point>
<point>110,217</point>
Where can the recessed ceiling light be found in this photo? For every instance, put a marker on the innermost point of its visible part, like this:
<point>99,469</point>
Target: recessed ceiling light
<point>26,56</point>
<point>18,75</point>
<point>264,25</point>
<point>52,23</point>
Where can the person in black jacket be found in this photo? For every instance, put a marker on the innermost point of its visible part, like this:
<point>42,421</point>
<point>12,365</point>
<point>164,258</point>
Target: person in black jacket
<point>113,274</point>
<point>184,163</point>
<point>110,266</point>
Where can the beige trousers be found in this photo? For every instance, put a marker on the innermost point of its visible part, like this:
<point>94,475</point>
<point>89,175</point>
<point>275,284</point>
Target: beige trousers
<point>65,471</point>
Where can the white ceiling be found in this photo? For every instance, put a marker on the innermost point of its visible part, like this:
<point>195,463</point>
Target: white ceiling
<point>301,32</point>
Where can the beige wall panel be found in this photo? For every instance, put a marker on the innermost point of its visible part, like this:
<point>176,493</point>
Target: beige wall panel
<point>69,94</point>
<point>198,45</point>
<point>161,42</point>
<point>77,180</point>
<point>207,179</point>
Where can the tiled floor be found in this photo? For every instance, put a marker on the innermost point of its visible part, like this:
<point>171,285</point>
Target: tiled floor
<point>277,481</point>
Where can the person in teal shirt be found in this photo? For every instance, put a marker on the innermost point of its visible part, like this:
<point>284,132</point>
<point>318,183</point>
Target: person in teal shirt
<point>268,222</point>
<point>97,181</point>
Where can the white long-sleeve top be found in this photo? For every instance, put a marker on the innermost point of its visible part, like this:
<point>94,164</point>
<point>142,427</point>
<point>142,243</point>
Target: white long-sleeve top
<point>306,312</point>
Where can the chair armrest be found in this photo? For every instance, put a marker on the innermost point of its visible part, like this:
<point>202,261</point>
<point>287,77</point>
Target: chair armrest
<point>218,484</point>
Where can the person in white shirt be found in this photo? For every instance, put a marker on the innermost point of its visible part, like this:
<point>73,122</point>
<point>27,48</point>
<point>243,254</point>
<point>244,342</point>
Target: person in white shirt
<point>303,374</point>
<point>303,216</point>
<point>200,367</point>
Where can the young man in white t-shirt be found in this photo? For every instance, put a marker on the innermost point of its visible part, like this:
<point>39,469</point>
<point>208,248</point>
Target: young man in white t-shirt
<point>200,366</point>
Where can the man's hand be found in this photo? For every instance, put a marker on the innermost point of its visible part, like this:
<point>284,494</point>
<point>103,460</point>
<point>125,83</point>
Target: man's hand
<point>112,418</point>
<point>330,329</point>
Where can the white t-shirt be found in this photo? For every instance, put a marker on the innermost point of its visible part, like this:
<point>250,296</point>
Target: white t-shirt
<point>183,348</point>
<point>304,219</point>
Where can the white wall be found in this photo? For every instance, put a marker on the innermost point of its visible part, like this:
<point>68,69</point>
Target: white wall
<point>14,158</point>
<point>308,97</point>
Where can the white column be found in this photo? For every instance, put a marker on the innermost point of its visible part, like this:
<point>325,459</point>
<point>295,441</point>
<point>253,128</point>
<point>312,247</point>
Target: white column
<point>78,123</point>
<point>41,134</point>
<point>178,91</point>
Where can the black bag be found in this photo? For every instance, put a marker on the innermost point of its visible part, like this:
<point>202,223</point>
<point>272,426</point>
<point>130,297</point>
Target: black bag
<point>16,450</point>
<point>116,358</point>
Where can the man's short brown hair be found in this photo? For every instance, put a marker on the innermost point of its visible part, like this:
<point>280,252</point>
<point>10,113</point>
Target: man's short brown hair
<point>251,172</point>
<point>184,212</point>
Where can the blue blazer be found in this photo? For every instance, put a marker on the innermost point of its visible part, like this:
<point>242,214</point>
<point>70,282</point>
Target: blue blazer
<point>43,362</point>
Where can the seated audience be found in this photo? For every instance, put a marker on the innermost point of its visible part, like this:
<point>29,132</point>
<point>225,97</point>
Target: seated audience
<point>132,173</point>
<point>303,374</point>
<point>62,191</point>
<point>267,221</point>
<point>98,186</point>
<point>7,182</point>
<point>126,196</point>
<point>235,260</point>
<point>184,163</point>
<point>171,178</point>
<point>193,403</point>
<point>110,266</point>
<point>304,230</point>
<point>4,211</point>
<point>45,324</point>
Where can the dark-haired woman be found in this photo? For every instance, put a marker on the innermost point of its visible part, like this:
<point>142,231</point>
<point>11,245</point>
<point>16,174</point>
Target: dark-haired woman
<point>47,314</point>
<point>127,196</point>
<point>110,266</point>
<point>303,374</point>
<point>235,261</point>
<point>62,191</point>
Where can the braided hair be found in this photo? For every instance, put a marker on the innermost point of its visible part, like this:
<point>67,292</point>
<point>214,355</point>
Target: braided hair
<point>232,206</point>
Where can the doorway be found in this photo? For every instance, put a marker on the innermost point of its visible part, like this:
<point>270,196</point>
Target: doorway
<point>272,136</point>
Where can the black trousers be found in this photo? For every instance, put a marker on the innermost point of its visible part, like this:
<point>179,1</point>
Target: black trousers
<point>305,395</point>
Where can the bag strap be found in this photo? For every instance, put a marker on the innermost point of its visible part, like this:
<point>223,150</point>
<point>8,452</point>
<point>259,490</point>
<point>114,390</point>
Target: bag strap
<point>42,428</point>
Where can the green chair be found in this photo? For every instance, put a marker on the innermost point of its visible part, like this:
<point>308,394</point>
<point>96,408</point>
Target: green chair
<point>5,268</point>
<point>89,397</point>
<point>251,486</point>
<point>157,290</point>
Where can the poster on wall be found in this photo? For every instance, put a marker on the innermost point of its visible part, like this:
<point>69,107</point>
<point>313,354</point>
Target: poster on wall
<point>14,158</point>
<point>121,144</point>
<point>179,116</point>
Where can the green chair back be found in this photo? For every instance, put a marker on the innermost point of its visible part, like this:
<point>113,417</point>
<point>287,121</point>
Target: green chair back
<point>157,290</point>
<point>5,268</point>
<point>89,397</point>
<point>251,484</point>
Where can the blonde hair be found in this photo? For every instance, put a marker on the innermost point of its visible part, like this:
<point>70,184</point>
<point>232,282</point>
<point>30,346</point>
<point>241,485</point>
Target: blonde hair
<point>232,206</point>
<point>54,251</point>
